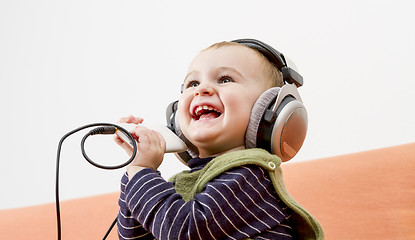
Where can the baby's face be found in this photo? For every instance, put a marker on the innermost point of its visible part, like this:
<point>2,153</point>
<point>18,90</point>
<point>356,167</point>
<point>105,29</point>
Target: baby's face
<point>219,92</point>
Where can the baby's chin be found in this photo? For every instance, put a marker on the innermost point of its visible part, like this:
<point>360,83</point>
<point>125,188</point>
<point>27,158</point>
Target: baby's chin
<point>212,152</point>
<point>201,137</point>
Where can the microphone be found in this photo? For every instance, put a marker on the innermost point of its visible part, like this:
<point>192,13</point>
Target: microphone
<point>173,142</point>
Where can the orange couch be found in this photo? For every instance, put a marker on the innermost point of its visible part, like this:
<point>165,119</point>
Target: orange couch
<point>366,195</point>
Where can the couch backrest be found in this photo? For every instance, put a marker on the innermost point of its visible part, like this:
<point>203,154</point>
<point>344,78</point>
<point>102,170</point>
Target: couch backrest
<point>366,195</point>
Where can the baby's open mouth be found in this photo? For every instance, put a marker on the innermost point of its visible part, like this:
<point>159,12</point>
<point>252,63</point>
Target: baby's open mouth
<point>205,112</point>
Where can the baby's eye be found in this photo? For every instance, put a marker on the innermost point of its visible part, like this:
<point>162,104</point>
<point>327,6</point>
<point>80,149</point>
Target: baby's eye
<point>192,84</point>
<point>226,79</point>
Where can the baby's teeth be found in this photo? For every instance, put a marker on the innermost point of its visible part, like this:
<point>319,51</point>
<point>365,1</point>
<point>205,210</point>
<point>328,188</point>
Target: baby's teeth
<point>198,109</point>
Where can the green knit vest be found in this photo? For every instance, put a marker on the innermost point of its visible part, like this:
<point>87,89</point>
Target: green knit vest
<point>188,184</point>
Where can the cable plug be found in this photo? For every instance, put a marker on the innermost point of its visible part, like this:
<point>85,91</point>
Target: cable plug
<point>103,130</point>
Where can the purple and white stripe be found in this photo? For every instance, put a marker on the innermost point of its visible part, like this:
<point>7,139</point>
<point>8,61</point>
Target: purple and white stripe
<point>238,204</point>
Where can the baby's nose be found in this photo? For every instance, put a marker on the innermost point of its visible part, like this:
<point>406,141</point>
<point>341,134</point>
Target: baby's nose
<point>202,93</point>
<point>204,90</point>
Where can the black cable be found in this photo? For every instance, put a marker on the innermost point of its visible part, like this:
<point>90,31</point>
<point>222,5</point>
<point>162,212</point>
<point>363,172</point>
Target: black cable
<point>105,128</point>
<point>102,130</point>
<point>110,228</point>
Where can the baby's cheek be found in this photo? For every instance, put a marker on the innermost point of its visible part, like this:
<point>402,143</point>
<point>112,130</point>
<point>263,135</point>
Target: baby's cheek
<point>182,112</point>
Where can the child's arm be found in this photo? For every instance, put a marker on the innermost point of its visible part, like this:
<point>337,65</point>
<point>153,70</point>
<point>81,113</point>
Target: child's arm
<point>150,150</point>
<point>128,227</point>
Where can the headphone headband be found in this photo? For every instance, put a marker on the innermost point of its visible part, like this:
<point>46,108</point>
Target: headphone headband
<point>274,57</point>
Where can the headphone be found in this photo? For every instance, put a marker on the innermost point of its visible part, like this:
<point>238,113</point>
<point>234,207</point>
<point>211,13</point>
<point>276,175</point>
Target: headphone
<point>278,121</point>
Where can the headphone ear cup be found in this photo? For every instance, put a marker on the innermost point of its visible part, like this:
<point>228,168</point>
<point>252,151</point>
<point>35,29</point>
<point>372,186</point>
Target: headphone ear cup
<point>257,112</point>
<point>192,149</point>
<point>289,129</point>
<point>278,129</point>
<point>173,125</point>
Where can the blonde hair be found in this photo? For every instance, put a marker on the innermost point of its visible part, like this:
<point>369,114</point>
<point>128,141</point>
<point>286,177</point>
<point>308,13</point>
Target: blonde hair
<point>271,72</point>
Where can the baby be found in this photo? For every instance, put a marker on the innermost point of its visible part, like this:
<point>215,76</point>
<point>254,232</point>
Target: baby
<point>229,191</point>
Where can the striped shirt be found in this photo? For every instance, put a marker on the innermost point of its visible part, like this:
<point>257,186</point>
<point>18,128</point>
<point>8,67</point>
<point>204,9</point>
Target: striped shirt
<point>237,204</point>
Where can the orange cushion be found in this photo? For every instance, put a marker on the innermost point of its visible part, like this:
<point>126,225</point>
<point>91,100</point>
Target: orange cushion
<point>367,195</point>
<point>84,218</point>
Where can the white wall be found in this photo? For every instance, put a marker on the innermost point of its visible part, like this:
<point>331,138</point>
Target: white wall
<point>64,64</point>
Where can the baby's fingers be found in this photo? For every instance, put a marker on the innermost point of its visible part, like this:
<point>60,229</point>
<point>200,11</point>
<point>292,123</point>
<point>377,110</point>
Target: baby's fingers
<point>123,144</point>
<point>160,140</point>
<point>131,119</point>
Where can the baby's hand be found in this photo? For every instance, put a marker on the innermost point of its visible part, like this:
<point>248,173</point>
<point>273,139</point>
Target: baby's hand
<point>151,145</point>
<point>120,141</point>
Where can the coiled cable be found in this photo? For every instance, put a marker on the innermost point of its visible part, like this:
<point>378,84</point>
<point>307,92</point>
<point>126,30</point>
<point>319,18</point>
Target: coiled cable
<point>102,128</point>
